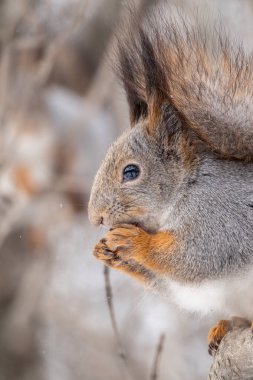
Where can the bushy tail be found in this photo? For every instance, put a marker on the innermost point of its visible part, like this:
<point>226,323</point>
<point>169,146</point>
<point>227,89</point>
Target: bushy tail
<point>204,77</point>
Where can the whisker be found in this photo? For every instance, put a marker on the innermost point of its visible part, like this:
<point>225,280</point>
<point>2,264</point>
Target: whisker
<point>140,300</point>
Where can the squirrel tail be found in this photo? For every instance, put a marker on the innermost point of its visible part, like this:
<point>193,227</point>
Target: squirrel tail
<point>198,72</point>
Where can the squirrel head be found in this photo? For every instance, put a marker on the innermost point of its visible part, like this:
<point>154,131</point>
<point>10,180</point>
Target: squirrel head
<point>139,176</point>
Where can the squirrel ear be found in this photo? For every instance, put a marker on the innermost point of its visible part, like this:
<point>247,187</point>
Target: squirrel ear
<point>143,76</point>
<point>131,75</point>
<point>163,117</point>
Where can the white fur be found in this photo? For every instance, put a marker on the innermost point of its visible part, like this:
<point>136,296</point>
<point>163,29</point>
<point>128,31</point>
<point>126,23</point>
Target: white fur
<point>225,297</point>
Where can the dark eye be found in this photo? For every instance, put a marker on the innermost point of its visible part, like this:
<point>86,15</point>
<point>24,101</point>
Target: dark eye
<point>130,172</point>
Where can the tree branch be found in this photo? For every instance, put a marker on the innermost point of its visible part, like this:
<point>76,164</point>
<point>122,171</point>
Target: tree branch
<point>109,299</point>
<point>234,358</point>
<point>158,353</point>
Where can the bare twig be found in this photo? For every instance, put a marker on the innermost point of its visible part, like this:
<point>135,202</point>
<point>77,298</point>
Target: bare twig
<point>56,44</point>
<point>109,298</point>
<point>158,353</point>
<point>10,214</point>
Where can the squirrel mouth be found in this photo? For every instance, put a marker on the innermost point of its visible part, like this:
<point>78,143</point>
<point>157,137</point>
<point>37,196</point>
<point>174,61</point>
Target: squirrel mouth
<point>145,228</point>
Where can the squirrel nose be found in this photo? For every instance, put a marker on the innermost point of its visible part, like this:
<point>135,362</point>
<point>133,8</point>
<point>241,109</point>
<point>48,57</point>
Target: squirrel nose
<point>96,220</point>
<point>95,214</point>
<point>96,209</point>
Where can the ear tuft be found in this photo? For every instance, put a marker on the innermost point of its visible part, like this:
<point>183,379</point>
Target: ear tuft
<point>143,71</point>
<point>131,74</point>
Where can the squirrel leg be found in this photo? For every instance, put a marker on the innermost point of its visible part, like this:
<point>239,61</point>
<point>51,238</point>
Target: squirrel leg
<point>127,247</point>
<point>217,333</point>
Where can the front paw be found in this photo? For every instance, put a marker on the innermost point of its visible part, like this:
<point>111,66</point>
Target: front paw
<point>122,243</point>
<point>216,334</point>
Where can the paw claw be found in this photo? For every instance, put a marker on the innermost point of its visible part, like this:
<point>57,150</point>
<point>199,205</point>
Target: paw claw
<point>107,252</point>
<point>121,244</point>
<point>218,332</point>
<point>216,335</point>
<point>213,347</point>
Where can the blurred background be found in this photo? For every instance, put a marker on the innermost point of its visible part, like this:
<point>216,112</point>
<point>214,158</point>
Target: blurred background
<point>61,106</point>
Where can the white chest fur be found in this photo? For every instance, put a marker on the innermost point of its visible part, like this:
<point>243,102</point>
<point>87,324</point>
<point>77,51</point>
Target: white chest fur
<point>225,297</point>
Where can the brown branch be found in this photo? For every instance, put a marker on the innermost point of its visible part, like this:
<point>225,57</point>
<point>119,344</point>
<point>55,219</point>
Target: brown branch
<point>57,43</point>
<point>109,298</point>
<point>157,358</point>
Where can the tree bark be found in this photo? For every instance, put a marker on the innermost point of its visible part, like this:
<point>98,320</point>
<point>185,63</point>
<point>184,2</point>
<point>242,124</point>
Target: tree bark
<point>234,357</point>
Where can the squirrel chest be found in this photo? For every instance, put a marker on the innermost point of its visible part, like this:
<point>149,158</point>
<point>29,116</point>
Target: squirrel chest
<point>222,298</point>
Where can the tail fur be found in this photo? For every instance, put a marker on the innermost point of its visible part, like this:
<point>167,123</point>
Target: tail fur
<point>206,78</point>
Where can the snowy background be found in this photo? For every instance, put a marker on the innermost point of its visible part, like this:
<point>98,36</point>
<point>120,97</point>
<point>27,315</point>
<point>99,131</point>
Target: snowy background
<point>60,108</point>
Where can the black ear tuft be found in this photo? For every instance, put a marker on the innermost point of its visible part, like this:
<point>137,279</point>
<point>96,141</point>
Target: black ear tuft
<point>155,80</point>
<point>142,75</point>
<point>131,76</point>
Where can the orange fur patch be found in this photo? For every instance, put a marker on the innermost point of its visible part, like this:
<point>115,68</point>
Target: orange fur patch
<point>218,332</point>
<point>130,249</point>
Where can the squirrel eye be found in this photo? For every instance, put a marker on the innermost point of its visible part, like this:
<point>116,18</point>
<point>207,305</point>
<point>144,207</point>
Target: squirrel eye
<point>130,172</point>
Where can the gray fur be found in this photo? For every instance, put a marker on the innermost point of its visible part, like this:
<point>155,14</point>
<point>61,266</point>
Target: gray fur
<point>208,206</point>
<point>192,112</point>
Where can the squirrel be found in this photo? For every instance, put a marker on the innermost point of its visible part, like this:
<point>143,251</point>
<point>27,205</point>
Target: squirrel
<point>176,189</point>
